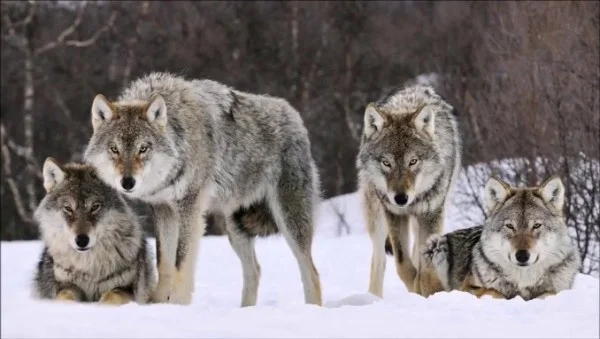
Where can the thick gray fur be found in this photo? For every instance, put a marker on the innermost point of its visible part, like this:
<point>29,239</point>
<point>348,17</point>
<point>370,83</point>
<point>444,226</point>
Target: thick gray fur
<point>484,256</point>
<point>210,149</point>
<point>408,124</point>
<point>117,258</point>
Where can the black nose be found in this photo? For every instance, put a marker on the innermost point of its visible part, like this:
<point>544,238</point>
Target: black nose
<point>128,183</point>
<point>82,240</point>
<point>522,256</point>
<point>401,198</point>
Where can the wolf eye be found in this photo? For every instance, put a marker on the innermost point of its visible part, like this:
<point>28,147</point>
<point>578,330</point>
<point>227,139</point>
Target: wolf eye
<point>385,163</point>
<point>114,150</point>
<point>413,162</point>
<point>68,209</point>
<point>95,207</point>
<point>537,225</point>
<point>143,149</point>
<point>510,226</point>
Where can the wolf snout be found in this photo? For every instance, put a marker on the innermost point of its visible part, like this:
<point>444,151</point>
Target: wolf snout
<point>82,241</point>
<point>401,198</point>
<point>128,183</point>
<point>522,257</point>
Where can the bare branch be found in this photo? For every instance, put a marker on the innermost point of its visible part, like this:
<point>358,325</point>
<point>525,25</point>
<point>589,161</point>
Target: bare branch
<point>93,38</point>
<point>64,34</point>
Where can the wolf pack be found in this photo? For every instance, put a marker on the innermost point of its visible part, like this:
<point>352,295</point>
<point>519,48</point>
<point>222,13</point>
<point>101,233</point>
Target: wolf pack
<point>189,148</point>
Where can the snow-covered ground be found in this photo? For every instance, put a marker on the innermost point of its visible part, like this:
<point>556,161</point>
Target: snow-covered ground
<point>349,311</point>
<point>343,263</point>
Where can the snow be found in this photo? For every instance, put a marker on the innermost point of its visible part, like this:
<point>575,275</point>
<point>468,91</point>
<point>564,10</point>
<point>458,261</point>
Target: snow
<point>342,253</point>
<point>349,311</point>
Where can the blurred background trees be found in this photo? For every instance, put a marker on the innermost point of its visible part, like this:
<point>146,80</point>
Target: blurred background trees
<point>524,77</point>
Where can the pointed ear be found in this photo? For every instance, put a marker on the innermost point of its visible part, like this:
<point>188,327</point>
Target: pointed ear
<point>157,111</point>
<point>53,174</point>
<point>424,120</point>
<point>101,111</point>
<point>496,192</point>
<point>553,192</point>
<point>373,120</point>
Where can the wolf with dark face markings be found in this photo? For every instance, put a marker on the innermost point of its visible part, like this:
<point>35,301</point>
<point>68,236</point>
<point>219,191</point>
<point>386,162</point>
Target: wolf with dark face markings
<point>191,147</point>
<point>523,249</point>
<point>408,160</point>
<point>94,247</point>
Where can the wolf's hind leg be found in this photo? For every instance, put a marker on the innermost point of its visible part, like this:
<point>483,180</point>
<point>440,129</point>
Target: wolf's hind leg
<point>243,245</point>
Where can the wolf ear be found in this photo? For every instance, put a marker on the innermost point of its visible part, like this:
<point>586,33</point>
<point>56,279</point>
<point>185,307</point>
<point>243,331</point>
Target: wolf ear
<point>553,192</point>
<point>374,120</point>
<point>496,191</point>
<point>424,120</point>
<point>157,111</point>
<point>53,174</point>
<point>101,111</point>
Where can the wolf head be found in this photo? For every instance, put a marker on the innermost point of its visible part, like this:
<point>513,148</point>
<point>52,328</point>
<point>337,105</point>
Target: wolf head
<point>398,152</point>
<point>129,147</point>
<point>79,210</point>
<point>525,226</point>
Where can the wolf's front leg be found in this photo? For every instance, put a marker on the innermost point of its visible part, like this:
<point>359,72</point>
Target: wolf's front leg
<point>398,231</point>
<point>378,233</point>
<point>167,233</point>
<point>427,281</point>
<point>191,229</point>
<point>116,297</point>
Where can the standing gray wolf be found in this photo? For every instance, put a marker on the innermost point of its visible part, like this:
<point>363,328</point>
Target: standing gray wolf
<point>94,247</point>
<point>408,160</point>
<point>191,147</point>
<point>523,249</point>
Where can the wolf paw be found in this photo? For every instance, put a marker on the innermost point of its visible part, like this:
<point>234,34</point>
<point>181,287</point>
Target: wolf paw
<point>115,298</point>
<point>435,251</point>
<point>162,293</point>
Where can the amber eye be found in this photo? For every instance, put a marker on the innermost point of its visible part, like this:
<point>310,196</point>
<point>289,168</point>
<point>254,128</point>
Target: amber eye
<point>114,150</point>
<point>537,225</point>
<point>413,162</point>
<point>385,163</point>
<point>68,209</point>
<point>143,149</point>
<point>95,207</point>
<point>510,226</point>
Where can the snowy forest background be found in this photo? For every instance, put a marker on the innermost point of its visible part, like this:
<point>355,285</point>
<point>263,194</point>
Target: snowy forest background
<point>524,77</point>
